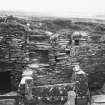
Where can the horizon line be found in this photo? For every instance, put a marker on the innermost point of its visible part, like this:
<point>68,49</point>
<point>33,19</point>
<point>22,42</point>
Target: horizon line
<point>52,15</point>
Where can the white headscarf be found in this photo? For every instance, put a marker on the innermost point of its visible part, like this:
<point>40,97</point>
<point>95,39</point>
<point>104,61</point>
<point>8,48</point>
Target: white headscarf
<point>78,70</point>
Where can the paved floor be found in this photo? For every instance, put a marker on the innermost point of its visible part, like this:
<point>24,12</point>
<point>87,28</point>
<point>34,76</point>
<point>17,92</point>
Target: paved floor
<point>7,102</point>
<point>98,100</point>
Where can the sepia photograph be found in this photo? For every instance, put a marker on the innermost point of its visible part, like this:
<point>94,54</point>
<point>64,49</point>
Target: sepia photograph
<point>52,52</point>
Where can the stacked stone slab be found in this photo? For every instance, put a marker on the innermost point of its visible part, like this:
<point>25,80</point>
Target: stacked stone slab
<point>59,59</point>
<point>12,43</point>
<point>51,57</point>
<point>91,58</point>
<point>38,54</point>
<point>89,53</point>
<point>13,52</point>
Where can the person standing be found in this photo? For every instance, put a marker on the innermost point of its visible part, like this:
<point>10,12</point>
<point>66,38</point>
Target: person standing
<point>81,85</point>
<point>26,76</point>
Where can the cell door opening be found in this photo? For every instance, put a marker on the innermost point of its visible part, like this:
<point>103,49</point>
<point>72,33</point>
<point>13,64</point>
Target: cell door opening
<point>5,82</point>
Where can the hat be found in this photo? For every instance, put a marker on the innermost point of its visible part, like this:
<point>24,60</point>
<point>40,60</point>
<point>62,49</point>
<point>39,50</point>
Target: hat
<point>76,67</point>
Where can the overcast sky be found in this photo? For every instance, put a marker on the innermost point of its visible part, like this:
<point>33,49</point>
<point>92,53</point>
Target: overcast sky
<point>85,8</point>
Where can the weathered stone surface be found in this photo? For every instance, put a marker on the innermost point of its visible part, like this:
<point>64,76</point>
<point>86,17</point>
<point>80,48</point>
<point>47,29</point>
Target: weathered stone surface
<point>53,56</point>
<point>7,102</point>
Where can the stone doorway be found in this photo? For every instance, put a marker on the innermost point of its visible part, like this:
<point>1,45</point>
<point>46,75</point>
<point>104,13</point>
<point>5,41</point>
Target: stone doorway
<point>5,82</point>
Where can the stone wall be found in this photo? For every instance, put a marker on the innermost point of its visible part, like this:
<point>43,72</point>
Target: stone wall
<point>13,52</point>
